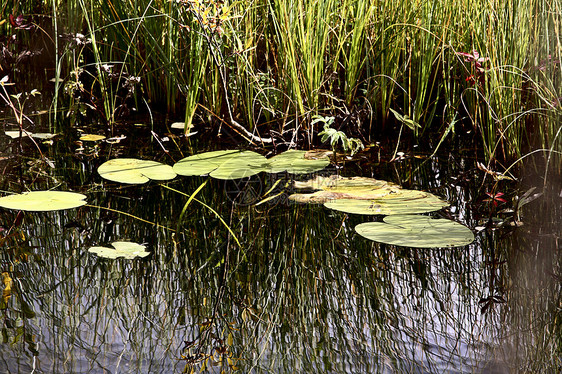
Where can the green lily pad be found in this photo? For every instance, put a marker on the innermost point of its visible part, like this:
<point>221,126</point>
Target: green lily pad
<point>228,164</point>
<point>417,231</point>
<point>294,162</point>
<point>43,201</point>
<point>127,250</point>
<point>135,171</point>
<point>336,187</point>
<point>403,202</point>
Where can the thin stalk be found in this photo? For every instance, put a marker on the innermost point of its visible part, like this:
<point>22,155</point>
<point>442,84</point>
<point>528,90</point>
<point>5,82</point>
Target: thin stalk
<point>209,208</point>
<point>89,18</point>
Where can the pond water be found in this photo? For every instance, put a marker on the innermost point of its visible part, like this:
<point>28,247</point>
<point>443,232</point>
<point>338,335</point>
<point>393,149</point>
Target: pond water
<point>302,293</point>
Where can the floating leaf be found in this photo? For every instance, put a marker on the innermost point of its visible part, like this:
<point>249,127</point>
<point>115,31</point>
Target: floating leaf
<point>135,171</point>
<point>403,202</point>
<point>321,197</point>
<point>14,134</point>
<point>92,137</point>
<point>180,126</point>
<point>43,201</point>
<point>361,195</point>
<point>127,250</point>
<point>336,187</point>
<point>294,162</point>
<point>43,135</point>
<point>417,231</point>
<point>228,164</point>
<point>245,164</point>
<point>203,163</point>
<point>116,139</point>
<point>335,182</point>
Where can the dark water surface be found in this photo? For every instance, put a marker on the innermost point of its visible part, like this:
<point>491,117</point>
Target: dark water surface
<point>302,293</point>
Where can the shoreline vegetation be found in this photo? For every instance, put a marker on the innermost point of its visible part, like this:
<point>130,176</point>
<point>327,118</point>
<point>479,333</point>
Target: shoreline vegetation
<point>278,70</point>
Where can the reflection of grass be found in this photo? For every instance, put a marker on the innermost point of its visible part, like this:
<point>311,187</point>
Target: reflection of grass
<point>306,293</point>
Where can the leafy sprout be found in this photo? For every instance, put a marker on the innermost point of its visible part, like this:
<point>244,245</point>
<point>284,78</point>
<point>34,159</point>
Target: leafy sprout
<point>406,120</point>
<point>352,145</point>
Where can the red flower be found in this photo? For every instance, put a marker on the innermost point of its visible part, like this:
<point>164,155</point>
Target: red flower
<point>20,23</point>
<point>477,61</point>
<point>495,198</point>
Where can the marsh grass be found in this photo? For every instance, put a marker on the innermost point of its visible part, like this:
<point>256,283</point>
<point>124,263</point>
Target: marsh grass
<point>275,64</point>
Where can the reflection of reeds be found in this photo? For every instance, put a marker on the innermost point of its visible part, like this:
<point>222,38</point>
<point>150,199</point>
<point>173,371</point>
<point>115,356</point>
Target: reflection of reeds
<point>534,328</point>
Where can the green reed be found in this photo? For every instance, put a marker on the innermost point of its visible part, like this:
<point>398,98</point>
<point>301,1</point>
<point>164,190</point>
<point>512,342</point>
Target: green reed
<point>279,63</point>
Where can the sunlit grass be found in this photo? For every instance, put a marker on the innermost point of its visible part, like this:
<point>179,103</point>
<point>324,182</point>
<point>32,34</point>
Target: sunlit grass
<point>282,62</point>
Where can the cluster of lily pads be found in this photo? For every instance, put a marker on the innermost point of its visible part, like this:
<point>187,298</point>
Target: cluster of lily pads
<point>351,195</point>
<point>368,196</point>
<point>225,165</point>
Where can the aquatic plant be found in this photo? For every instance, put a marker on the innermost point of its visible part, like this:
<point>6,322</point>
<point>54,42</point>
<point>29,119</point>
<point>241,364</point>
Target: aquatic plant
<point>91,137</point>
<point>360,195</point>
<point>368,196</point>
<point>352,145</point>
<point>227,164</point>
<point>295,162</point>
<point>135,171</point>
<point>416,231</point>
<point>405,202</point>
<point>233,164</point>
<point>43,201</point>
<point>121,249</point>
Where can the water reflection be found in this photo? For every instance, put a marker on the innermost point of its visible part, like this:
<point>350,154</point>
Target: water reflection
<point>303,293</point>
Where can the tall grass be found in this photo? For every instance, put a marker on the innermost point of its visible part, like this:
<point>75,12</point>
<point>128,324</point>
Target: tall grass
<point>274,64</point>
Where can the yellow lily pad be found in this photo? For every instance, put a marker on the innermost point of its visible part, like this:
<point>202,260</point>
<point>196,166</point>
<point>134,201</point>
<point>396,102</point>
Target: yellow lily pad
<point>92,137</point>
<point>121,249</point>
<point>361,195</point>
<point>43,201</point>
<point>336,187</point>
<point>14,134</point>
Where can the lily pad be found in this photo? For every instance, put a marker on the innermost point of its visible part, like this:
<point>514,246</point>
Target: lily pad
<point>336,182</point>
<point>417,231</point>
<point>14,134</point>
<point>360,195</point>
<point>403,202</point>
<point>228,164</point>
<point>135,171</point>
<point>294,162</point>
<point>91,137</point>
<point>180,126</point>
<point>336,187</point>
<point>121,249</point>
<point>43,201</point>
